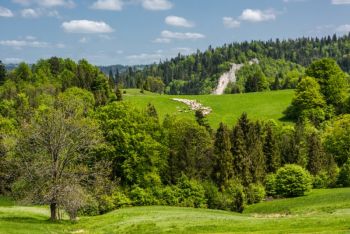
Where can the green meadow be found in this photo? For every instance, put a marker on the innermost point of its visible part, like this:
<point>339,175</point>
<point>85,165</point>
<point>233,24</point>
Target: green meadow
<point>226,108</point>
<point>321,211</point>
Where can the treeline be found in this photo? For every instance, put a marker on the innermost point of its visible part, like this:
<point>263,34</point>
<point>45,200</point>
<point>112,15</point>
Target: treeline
<point>67,143</point>
<point>198,73</point>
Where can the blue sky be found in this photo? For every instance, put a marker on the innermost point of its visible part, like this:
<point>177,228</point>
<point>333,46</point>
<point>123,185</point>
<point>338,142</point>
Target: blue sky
<point>144,31</point>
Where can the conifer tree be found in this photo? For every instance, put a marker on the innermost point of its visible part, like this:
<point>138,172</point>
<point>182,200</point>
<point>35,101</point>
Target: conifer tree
<point>240,158</point>
<point>119,94</point>
<point>271,152</point>
<point>223,169</point>
<point>202,121</point>
<point>316,154</point>
<point>151,111</point>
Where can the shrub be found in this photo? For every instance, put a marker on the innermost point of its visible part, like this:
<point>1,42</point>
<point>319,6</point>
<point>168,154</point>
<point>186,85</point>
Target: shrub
<point>344,175</point>
<point>235,192</point>
<point>270,184</point>
<point>321,180</point>
<point>143,197</point>
<point>292,181</point>
<point>255,193</point>
<point>191,193</point>
<point>212,195</point>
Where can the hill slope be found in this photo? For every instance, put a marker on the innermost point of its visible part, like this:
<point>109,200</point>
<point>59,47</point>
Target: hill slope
<point>326,211</point>
<point>226,108</point>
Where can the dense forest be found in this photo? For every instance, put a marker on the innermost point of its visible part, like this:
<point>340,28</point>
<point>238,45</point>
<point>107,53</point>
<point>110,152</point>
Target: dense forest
<point>68,140</point>
<point>282,63</point>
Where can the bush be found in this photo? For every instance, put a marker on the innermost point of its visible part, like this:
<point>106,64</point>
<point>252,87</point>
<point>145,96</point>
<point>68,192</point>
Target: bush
<point>212,195</point>
<point>321,180</point>
<point>255,193</point>
<point>191,193</point>
<point>235,192</point>
<point>270,184</point>
<point>344,175</point>
<point>292,181</point>
<point>143,197</point>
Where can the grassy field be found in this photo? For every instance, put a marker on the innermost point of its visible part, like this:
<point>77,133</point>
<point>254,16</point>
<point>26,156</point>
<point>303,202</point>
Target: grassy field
<point>226,108</point>
<point>322,211</point>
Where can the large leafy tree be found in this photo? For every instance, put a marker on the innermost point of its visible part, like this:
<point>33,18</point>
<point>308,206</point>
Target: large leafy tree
<point>308,102</point>
<point>51,152</point>
<point>332,80</point>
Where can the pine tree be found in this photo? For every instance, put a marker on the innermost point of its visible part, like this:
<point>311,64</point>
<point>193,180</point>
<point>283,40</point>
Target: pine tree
<point>223,169</point>
<point>273,160</point>
<point>240,157</point>
<point>151,111</point>
<point>202,121</point>
<point>119,94</point>
<point>316,159</point>
<point>255,153</point>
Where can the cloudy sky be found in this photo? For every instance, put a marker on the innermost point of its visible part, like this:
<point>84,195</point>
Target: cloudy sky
<point>144,31</point>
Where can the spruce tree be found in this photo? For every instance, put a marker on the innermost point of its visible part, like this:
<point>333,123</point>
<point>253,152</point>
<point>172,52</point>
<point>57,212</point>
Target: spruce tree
<point>202,121</point>
<point>273,160</point>
<point>119,94</point>
<point>240,156</point>
<point>223,169</point>
<point>316,154</point>
<point>151,111</point>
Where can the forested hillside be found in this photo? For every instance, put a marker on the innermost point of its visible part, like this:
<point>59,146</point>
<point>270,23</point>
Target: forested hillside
<point>282,63</point>
<point>68,140</point>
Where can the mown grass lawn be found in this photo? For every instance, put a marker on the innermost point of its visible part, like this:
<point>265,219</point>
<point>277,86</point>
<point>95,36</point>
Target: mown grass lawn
<point>226,108</point>
<point>321,211</point>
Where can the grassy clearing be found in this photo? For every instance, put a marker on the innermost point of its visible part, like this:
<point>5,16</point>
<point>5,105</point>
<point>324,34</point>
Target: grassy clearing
<point>226,108</point>
<point>322,211</point>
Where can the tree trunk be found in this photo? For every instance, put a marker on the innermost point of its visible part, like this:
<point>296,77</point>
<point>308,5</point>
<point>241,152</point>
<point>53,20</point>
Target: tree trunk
<point>53,210</point>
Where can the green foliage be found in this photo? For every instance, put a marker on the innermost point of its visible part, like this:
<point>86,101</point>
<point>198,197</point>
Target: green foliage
<point>255,193</point>
<point>292,181</point>
<point>344,175</point>
<point>270,185</point>
<point>2,73</point>
<point>223,165</point>
<point>154,84</point>
<point>332,80</point>
<point>234,191</point>
<point>337,138</point>
<point>307,102</point>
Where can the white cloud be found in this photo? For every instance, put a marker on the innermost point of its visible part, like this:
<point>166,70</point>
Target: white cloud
<point>24,43</point>
<point>156,5</point>
<point>181,36</point>
<point>253,15</point>
<point>178,21</point>
<point>4,12</point>
<point>30,13</point>
<point>343,28</point>
<point>112,5</point>
<point>86,26</point>
<point>230,22</point>
<point>46,3</point>
<point>38,12</point>
<point>340,2</point>
<point>162,40</point>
